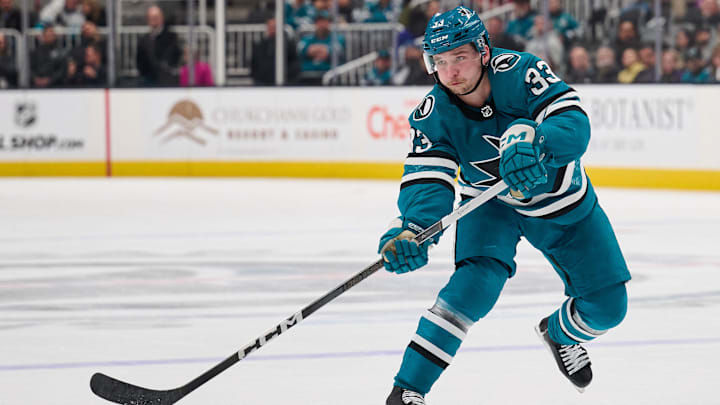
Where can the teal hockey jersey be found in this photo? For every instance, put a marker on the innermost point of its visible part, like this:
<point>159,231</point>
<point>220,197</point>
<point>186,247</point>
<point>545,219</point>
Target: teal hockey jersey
<point>448,135</point>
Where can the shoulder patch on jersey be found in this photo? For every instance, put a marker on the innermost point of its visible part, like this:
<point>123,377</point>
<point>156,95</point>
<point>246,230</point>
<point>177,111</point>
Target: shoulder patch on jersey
<point>504,62</point>
<point>424,109</point>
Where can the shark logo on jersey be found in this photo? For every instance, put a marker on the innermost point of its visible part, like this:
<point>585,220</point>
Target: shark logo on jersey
<point>489,167</point>
<point>420,141</point>
<point>424,109</point>
<point>504,62</point>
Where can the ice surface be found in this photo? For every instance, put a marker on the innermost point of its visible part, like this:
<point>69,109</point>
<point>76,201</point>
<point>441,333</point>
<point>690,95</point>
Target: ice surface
<point>153,281</point>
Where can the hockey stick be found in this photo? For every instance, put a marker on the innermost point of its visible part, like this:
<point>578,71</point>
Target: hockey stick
<point>121,392</point>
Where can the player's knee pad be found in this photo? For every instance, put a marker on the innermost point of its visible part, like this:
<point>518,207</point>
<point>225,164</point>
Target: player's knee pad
<point>605,308</point>
<point>475,286</point>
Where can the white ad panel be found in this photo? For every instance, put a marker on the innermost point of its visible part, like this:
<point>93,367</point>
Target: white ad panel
<point>52,125</point>
<point>649,126</point>
<point>299,124</point>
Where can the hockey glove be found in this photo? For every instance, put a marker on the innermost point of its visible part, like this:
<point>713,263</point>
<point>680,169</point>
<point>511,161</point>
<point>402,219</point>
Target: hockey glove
<point>400,253</point>
<point>521,155</point>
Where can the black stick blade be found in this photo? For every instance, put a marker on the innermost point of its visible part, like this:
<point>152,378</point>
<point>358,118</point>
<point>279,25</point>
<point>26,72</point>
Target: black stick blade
<point>121,392</point>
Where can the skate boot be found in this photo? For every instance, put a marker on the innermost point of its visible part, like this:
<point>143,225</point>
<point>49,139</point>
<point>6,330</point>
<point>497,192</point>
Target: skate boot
<point>573,360</point>
<point>401,396</point>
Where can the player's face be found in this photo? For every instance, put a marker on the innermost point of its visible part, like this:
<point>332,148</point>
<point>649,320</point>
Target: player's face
<point>459,69</point>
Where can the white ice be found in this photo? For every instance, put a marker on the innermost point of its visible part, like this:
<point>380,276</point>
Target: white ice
<point>154,281</point>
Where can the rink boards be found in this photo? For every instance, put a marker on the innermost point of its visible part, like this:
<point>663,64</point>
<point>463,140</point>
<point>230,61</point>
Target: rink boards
<point>642,135</point>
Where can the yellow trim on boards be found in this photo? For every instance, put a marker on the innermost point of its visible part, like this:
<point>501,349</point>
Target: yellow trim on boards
<point>51,169</point>
<point>600,176</point>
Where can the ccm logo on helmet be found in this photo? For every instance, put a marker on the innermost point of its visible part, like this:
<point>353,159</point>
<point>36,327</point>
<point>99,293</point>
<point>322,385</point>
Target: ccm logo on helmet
<point>504,62</point>
<point>438,39</point>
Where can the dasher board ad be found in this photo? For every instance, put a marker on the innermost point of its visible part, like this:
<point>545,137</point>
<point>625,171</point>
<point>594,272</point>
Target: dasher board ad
<point>52,125</point>
<point>296,124</point>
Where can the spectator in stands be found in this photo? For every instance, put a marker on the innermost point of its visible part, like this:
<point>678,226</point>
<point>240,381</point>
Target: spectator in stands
<point>67,13</point>
<point>92,73</point>
<point>715,65</point>
<point>703,41</point>
<point>670,67</point>
<point>316,50</point>
<point>710,12</point>
<point>522,24</point>
<point>262,64</point>
<point>380,74</point>
<point>646,55</point>
<point>546,43</point>
<point>420,16</point>
<point>627,37</point>
<point>413,72</point>
<point>684,40</point>
<point>631,66</point>
<point>380,11</point>
<point>498,38</point>
<point>9,16</point>
<point>48,62</point>
<point>299,13</point>
<point>158,53</point>
<point>606,67</point>
<point>202,70</point>
<point>581,70</point>
<point>8,69</point>
<point>88,36</point>
<point>564,23</point>
<point>346,11</point>
<point>93,12</point>
<point>695,68</point>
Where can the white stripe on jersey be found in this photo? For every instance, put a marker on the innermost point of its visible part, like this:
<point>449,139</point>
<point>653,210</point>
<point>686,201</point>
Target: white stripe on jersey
<point>440,353</point>
<point>428,175</point>
<point>556,106</point>
<point>564,187</point>
<point>431,161</point>
<point>444,324</point>
<point>540,117</point>
<point>562,203</point>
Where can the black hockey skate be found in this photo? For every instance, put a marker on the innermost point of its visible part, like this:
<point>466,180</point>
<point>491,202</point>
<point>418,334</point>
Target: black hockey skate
<point>401,396</point>
<point>573,360</point>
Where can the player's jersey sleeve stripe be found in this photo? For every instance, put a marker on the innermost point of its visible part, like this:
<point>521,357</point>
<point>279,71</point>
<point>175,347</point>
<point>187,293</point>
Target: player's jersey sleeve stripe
<point>433,153</point>
<point>565,175</point>
<point>562,205</point>
<point>426,177</point>
<point>565,94</point>
<point>431,161</point>
<point>557,108</point>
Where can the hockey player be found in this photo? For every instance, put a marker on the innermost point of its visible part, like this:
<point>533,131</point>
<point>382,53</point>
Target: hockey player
<point>495,114</point>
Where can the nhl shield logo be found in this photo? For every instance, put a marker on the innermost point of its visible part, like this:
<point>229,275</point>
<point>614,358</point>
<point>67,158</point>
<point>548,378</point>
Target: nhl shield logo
<point>25,114</point>
<point>424,109</point>
<point>486,111</point>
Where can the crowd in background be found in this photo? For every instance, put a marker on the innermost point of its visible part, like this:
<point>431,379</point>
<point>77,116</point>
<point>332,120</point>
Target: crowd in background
<point>578,51</point>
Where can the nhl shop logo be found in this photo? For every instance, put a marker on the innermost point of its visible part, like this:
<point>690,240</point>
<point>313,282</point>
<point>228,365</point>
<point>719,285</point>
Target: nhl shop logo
<point>185,120</point>
<point>25,114</point>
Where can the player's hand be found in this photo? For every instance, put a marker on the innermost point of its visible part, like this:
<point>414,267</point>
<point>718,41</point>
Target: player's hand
<point>400,252</point>
<point>521,155</point>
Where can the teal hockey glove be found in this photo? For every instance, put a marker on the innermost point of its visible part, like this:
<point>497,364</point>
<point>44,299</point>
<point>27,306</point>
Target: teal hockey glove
<point>521,155</point>
<point>401,253</point>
